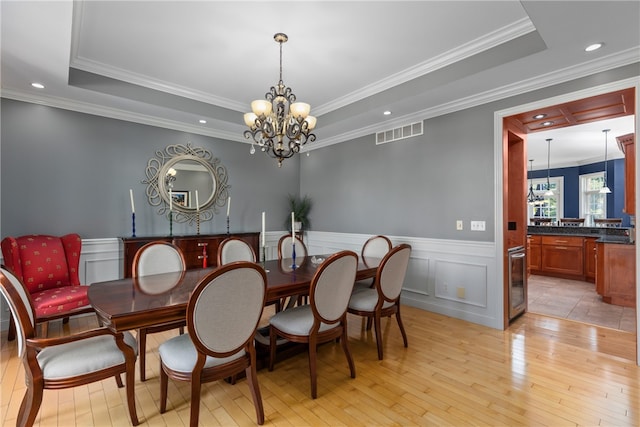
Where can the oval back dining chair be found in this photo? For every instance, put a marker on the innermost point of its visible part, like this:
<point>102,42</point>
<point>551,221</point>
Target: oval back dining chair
<point>69,361</point>
<point>151,259</point>
<point>234,249</point>
<point>384,299</point>
<point>285,247</point>
<point>375,247</point>
<point>222,318</point>
<point>325,317</point>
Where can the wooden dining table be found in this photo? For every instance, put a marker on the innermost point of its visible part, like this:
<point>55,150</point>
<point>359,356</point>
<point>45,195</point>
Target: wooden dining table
<point>133,303</point>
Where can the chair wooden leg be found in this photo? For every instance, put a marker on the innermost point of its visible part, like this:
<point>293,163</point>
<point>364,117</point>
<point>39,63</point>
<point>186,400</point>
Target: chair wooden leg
<point>272,347</point>
<point>119,381</point>
<point>30,405</point>
<point>181,330</point>
<point>195,400</point>
<point>404,334</point>
<point>142,349</point>
<point>378,330</point>
<point>369,323</point>
<point>65,320</point>
<point>44,329</point>
<point>164,383</point>
<point>347,351</point>
<point>252,380</point>
<point>312,368</point>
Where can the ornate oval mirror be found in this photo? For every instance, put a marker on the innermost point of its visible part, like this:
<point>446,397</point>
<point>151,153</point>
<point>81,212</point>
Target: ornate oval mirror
<point>188,180</point>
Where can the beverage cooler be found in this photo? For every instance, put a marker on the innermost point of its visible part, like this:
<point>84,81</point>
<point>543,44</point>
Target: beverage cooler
<point>517,281</point>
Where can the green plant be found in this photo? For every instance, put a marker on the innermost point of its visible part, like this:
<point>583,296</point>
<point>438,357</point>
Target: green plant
<point>300,208</point>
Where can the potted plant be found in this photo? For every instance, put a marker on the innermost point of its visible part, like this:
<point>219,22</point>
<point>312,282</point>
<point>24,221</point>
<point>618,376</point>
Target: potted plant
<point>300,208</point>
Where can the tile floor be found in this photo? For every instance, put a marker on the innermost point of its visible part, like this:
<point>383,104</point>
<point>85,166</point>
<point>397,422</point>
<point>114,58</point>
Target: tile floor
<point>576,300</point>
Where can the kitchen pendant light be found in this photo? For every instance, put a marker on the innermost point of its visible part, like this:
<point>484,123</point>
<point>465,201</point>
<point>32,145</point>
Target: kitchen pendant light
<point>605,189</point>
<point>549,192</point>
<point>532,197</point>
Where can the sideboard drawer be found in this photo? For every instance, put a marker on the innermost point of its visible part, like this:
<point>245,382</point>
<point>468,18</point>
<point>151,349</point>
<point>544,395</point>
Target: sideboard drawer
<point>563,241</point>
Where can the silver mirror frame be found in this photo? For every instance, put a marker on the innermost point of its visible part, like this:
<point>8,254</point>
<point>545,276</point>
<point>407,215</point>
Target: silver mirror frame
<point>157,187</point>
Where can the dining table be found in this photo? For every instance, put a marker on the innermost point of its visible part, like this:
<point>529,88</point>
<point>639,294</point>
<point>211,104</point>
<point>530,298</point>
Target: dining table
<point>132,303</point>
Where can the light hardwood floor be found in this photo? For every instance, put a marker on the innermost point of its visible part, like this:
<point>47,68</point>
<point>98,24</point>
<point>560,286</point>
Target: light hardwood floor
<point>541,371</point>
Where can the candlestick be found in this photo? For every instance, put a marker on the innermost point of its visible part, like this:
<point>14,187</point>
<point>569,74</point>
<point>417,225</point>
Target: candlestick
<point>227,226</point>
<point>263,231</point>
<point>133,224</point>
<point>293,255</point>
<point>133,208</point>
<point>198,222</point>
<point>170,223</point>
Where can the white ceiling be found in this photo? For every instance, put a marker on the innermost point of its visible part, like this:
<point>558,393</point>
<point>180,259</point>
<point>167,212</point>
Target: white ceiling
<point>170,63</point>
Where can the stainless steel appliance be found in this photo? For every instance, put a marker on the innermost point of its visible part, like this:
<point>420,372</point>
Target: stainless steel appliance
<point>517,281</point>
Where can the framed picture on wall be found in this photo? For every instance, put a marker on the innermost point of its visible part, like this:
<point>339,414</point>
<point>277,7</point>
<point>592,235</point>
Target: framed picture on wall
<point>180,198</point>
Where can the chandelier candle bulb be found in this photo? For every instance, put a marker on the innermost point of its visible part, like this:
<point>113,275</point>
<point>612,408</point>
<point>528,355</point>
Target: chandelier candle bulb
<point>133,208</point>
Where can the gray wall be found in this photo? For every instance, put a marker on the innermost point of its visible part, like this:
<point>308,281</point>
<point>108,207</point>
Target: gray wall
<point>63,171</point>
<point>420,186</point>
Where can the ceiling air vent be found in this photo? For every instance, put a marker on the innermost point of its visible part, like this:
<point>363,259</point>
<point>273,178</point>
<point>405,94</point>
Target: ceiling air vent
<point>395,134</point>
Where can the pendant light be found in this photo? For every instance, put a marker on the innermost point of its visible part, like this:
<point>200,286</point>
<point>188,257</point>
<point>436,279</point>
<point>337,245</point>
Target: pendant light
<point>549,192</point>
<point>605,189</point>
<point>532,197</point>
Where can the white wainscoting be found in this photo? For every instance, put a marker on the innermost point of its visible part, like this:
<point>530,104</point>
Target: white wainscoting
<point>450,277</point>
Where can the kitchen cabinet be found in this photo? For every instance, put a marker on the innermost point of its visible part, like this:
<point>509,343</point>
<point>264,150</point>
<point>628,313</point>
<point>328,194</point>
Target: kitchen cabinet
<point>563,256</point>
<point>627,145</point>
<point>199,250</point>
<point>534,258</point>
<point>616,273</point>
<point>590,259</point>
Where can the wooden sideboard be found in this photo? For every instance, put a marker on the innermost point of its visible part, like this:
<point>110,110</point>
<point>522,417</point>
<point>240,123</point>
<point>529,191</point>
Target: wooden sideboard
<point>196,248</point>
<point>616,273</point>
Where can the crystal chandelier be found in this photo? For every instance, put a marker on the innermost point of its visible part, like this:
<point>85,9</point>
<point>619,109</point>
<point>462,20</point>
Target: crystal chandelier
<point>279,124</point>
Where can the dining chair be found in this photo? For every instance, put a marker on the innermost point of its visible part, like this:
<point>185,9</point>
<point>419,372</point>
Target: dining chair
<point>65,362</point>
<point>223,314</point>
<point>376,247</point>
<point>48,266</point>
<point>235,249</point>
<point>156,258</point>
<point>384,299</point>
<point>324,319</point>
<point>607,222</point>
<point>572,222</point>
<point>285,252</point>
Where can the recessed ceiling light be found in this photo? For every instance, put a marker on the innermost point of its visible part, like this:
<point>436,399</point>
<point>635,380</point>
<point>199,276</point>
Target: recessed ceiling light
<point>592,47</point>
<point>387,113</point>
<point>547,123</point>
<point>539,116</point>
<point>37,85</point>
<point>203,121</point>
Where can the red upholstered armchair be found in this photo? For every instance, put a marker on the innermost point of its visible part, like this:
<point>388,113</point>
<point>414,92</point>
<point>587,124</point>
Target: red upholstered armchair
<point>48,267</point>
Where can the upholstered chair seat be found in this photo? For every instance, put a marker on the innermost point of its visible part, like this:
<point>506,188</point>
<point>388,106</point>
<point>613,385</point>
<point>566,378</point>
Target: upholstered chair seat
<point>48,267</point>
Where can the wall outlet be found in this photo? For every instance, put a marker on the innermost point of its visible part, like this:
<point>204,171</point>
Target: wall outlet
<point>460,292</point>
<point>478,226</point>
<point>459,225</point>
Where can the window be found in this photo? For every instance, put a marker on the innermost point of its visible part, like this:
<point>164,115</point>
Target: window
<point>592,202</point>
<point>550,207</point>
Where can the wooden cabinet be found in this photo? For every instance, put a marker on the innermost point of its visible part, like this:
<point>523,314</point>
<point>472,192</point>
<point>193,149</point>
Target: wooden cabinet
<point>534,258</point>
<point>616,273</point>
<point>563,256</point>
<point>197,249</point>
<point>590,259</point>
<point>627,145</point>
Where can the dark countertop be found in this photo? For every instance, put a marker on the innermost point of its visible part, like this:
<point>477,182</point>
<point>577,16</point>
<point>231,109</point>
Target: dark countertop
<point>618,235</point>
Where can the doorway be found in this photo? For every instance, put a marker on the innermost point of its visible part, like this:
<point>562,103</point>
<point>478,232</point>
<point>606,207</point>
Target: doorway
<point>503,184</point>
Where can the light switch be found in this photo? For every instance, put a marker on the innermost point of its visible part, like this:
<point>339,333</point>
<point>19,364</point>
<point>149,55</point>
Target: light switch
<point>459,225</point>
